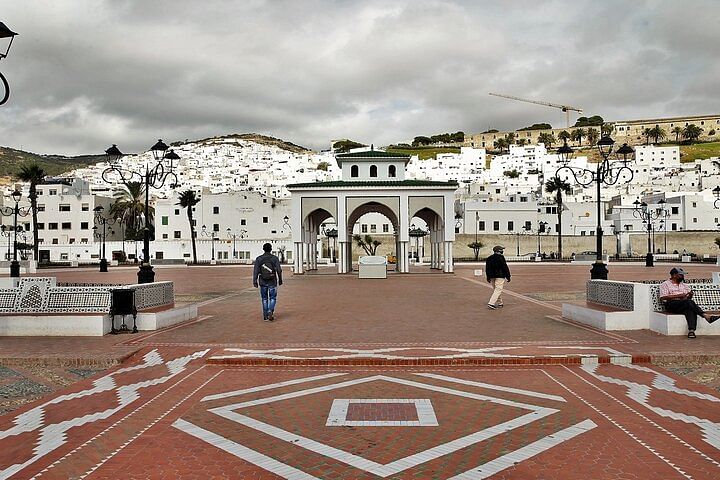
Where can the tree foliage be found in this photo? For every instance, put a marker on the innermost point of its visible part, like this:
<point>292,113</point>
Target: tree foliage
<point>129,205</point>
<point>367,243</point>
<point>456,137</point>
<point>692,132</point>
<point>594,121</point>
<point>564,136</point>
<point>578,134</point>
<point>537,126</point>
<point>323,166</point>
<point>547,139</point>
<point>344,146</point>
<point>511,173</point>
<point>593,135</point>
<point>677,131</point>
<point>476,246</point>
<point>33,174</point>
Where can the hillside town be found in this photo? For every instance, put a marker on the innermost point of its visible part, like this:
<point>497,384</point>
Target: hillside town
<point>244,199</point>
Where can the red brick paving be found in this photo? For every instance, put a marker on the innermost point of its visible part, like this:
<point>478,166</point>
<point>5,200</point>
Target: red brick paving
<point>430,316</point>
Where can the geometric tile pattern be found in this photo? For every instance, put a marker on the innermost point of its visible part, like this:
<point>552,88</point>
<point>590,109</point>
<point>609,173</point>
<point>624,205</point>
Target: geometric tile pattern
<point>339,412</point>
<point>355,412</point>
<point>51,436</point>
<point>641,394</point>
<point>150,295</point>
<point>615,294</point>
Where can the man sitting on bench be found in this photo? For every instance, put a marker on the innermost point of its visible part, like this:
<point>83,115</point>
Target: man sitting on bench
<point>677,297</point>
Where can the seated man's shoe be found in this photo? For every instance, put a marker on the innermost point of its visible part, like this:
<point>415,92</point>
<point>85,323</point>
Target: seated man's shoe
<point>713,318</point>
<point>691,334</point>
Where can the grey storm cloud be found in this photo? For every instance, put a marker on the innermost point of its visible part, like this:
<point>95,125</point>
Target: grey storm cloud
<point>88,73</point>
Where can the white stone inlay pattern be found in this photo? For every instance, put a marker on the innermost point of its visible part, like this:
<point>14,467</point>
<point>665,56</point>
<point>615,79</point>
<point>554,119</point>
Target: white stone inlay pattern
<point>229,412</point>
<point>54,435</point>
<point>338,413</point>
<point>641,394</point>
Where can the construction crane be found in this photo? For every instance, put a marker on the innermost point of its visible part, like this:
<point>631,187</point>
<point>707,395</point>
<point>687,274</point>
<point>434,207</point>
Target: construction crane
<point>565,108</point>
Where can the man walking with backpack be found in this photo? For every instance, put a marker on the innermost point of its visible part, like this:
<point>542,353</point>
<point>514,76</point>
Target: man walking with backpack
<point>267,274</point>
<point>497,272</point>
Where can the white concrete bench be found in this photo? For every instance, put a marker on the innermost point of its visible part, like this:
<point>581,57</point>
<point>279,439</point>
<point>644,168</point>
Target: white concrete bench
<point>706,295</point>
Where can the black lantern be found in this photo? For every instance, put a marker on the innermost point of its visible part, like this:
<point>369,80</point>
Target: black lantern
<point>5,32</point>
<point>113,154</point>
<point>565,153</point>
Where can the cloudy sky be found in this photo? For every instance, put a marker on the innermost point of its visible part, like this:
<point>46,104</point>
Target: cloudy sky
<point>88,73</point>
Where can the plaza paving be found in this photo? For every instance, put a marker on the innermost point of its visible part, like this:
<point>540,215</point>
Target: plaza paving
<point>410,377</point>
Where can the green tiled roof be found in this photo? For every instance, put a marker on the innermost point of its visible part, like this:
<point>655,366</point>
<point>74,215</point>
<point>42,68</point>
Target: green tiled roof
<point>369,183</point>
<point>372,154</point>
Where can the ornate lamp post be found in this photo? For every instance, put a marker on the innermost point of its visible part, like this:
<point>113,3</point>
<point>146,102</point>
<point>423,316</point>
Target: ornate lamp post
<point>234,237</point>
<point>212,234</point>
<point>542,228</point>
<point>606,173</point>
<point>15,212</point>
<point>101,224</point>
<point>417,233</point>
<point>648,216</point>
<point>156,174</point>
<point>5,32</point>
<point>330,233</point>
<point>716,192</point>
<point>7,231</point>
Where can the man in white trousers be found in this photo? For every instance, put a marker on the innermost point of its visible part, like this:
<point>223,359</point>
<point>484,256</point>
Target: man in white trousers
<point>497,273</point>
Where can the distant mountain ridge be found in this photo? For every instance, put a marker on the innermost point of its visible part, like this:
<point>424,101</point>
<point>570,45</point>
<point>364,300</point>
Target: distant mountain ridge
<point>11,160</point>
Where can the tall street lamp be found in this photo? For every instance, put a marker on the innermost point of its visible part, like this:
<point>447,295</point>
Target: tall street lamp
<point>418,233</point>
<point>5,32</point>
<point>331,233</point>
<point>542,228</point>
<point>606,173</point>
<point>156,174</point>
<point>15,212</point>
<point>213,235</point>
<point>648,217</point>
<point>234,237</point>
<point>100,227</point>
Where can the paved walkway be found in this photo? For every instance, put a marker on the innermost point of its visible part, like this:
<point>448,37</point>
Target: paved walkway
<point>405,378</point>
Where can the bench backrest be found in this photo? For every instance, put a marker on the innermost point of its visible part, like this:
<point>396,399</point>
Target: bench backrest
<point>706,295</point>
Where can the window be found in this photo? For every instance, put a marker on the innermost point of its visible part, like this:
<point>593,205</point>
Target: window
<point>164,220</point>
<point>243,221</point>
<point>72,240</point>
<point>675,210</point>
<point>354,171</point>
<point>528,225</point>
<point>52,226</point>
<point>481,225</point>
<point>64,256</point>
<point>373,228</point>
<point>53,192</point>
<point>164,236</point>
<point>386,227</point>
<point>694,204</point>
<point>392,171</point>
<point>216,227</point>
<point>523,199</point>
<point>177,211</point>
<point>84,226</point>
<point>55,241</point>
<point>216,210</point>
<point>363,228</point>
<point>66,225</point>
<point>41,226</point>
<point>497,190</point>
<point>83,240</point>
<point>85,207</point>
<point>674,227</point>
<point>694,220</point>
<point>496,225</point>
<point>511,226</point>
<point>176,234</point>
<point>41,207</point>
<point>373,170</point>
<point>265,219</point>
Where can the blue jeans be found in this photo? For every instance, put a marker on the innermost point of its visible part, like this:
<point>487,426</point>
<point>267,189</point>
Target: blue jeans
<point>269,299</point>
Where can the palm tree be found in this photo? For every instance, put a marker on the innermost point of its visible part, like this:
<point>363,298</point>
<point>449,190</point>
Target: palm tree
<point>188,200</point>
<point>677,131</point>
<point>33,174</point>
<point>547,139</point>
<point>501,144</point>
<point>592,136</point>
<point>558,186</point>
<point>606,128</point>
<point>658,133</point>
<point>692,132</point>
<point>129,205</point>
<point>646,133</point>
<point>578,135</point>
<point>564,136</point>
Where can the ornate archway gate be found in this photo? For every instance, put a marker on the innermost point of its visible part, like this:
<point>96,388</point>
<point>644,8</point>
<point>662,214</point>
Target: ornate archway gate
<point>372,181</point>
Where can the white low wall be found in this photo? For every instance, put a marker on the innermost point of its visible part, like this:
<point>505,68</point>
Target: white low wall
<point>64,325</point>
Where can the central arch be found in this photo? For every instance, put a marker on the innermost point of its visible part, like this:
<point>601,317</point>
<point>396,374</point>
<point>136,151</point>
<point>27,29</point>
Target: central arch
<point>372,206</point>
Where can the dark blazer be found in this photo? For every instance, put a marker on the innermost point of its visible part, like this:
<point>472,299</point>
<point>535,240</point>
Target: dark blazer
<point>496,267</point>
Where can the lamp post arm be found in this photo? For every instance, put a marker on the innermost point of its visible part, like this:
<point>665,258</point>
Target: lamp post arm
<point>582,176</point>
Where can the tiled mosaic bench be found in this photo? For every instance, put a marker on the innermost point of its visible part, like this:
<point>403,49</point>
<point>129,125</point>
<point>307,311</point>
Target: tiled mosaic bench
<point>706,295</point>
<point>39,306</point>
<point>613,305</point>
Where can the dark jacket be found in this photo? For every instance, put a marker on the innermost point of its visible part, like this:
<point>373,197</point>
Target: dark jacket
<point>275,262</point>
<point>496,267</point>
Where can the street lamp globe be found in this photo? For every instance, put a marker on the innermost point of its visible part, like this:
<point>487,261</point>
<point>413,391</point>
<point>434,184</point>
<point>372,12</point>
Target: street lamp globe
<point>158,150</point>
<point>626,151</point>
<point>5,32</point>
<point>565,153</point>
<point>113,154</point>
<point>16,195</point>
<point>605,146</point>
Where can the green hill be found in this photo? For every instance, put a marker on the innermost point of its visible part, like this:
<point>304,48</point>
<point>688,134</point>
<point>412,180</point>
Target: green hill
<point>11,161</point>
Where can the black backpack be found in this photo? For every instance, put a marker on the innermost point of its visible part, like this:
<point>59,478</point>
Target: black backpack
<point>267,271</point>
